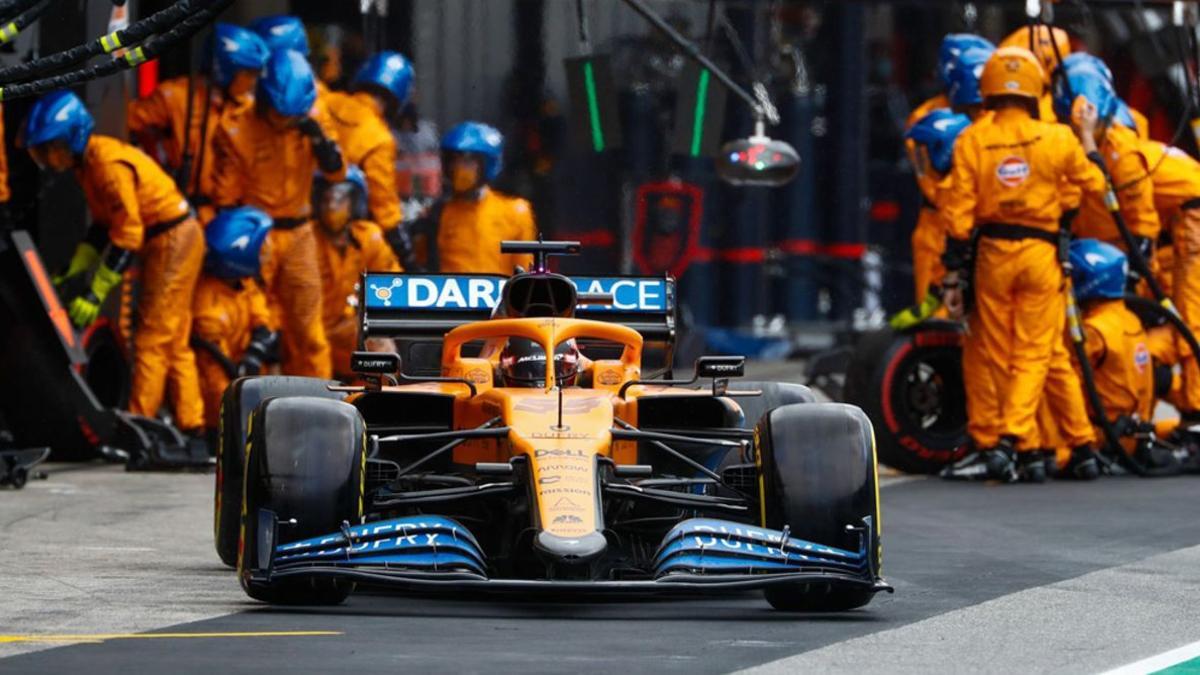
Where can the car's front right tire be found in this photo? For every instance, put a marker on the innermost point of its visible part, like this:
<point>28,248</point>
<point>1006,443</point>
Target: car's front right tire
<point>819,476</point>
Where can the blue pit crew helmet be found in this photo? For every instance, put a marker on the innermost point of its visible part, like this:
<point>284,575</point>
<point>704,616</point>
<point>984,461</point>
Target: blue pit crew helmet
<point>952,46</point>
<point>937,131</point>
<point>236,49</point>
<point>480,139</point>
<point>387,72</point>
<point>1088,82</point>
<point>59,116</point>
<point>235,238</point>
<point>282,31</point>
<point>287,84</point>
<point>964,77</point>
<point>1098,270</point>
<point>1084,61</point>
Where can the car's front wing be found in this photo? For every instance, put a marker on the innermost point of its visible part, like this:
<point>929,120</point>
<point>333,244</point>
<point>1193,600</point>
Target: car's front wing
<point>436,553</point>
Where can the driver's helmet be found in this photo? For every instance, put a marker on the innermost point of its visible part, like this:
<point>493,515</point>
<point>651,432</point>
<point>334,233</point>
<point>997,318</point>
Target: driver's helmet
<point>523,363</point>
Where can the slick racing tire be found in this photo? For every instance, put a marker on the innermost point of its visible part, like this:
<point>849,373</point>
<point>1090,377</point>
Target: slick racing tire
<point>911,386</point>
<point>819,476</point>
<point>107,371</point>
<point>305,464</point>
<point>241,398</point>
<point>774,395</point>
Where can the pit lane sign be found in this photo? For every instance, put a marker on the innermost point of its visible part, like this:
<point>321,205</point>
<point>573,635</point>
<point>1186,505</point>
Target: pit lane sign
<point>457,293</point>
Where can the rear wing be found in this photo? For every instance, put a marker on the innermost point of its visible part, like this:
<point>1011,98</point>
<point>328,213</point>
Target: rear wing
<point>417,310</point>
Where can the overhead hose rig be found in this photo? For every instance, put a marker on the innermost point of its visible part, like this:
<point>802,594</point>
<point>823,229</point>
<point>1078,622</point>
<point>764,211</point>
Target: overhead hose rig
<point>131,46</point>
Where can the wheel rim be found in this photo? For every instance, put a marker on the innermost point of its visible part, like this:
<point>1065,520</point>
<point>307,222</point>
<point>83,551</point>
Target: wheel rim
<point>930,398</point>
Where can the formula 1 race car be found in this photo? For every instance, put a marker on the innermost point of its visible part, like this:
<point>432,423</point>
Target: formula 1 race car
<point>533,455</point>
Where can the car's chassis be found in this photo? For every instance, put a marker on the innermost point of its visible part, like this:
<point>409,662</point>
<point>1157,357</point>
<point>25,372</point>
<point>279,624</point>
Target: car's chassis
<point>660,543</point>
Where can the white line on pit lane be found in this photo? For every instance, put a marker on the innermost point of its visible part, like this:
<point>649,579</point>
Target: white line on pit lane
<point>892,481</point>
<point>1160,661</point>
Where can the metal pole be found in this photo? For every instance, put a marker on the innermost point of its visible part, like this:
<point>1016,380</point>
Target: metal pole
<point>692,52</point>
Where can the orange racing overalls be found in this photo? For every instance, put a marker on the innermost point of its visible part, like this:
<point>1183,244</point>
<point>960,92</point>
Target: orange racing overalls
<point>1005,183</point>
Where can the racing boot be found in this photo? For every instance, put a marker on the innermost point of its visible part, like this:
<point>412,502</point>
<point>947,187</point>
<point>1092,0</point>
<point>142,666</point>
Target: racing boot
<point>1002,460</point>
<point>1084,465</point>
<point>1031,466</point>
<point>1050,457</point>
<point>991,464</point>
<point>1157,457</point>
<point>1186,444</point>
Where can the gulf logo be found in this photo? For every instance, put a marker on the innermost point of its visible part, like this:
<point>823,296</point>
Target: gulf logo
<point>1012,171</point>
<point>1141,357</point>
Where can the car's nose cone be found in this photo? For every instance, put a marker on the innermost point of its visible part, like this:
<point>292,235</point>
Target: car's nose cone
<point>571,549</point>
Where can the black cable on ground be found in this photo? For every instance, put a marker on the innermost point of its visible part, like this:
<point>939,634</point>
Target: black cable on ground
<point>111,42</point>
<point>133,57</point>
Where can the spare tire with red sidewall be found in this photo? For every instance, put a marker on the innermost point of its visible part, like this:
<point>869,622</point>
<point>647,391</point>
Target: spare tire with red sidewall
<point>910,384</point>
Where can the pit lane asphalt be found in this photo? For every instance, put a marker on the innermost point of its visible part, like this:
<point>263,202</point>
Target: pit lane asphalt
<point>990,577</point>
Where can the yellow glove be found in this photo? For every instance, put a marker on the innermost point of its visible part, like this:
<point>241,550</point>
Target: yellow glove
<point>82,260</point>
<point>907,318</point>
<point>86,308</point>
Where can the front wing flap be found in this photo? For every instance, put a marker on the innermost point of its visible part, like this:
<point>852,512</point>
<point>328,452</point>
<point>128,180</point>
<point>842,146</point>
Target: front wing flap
<point>438,553</point>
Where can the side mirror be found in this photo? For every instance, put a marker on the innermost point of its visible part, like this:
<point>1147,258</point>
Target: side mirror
<point>757,160</point>
<point>375,363</point>
<point>720,366</point>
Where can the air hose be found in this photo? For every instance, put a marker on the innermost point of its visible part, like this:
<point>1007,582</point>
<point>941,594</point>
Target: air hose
<point>1139,262</point>
<point>134,33</point>
<point>133,57</point>
<point>1099,414</point>
<point>9,31</point>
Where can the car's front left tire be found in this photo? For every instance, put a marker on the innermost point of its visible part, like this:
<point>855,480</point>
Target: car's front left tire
<point>305,463</point>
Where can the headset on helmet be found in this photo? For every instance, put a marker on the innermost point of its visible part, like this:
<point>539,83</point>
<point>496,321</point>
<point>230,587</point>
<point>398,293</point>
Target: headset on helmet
<point>964,77</point>
<point>235,238</point>
<point>952,46</point>
<point>1098,270</point>
<point>937,131</point>
<point>480,139</point>
<point>1085,81</point>
<point>59,116</point>
<point>282,31</point>
<point>387,72</point>
<point>235,49</point>
<point>1012,71</point>
<point>287,84</point>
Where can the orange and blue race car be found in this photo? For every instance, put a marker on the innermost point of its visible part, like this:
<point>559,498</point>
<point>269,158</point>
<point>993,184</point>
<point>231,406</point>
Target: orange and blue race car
<point>526,435</point>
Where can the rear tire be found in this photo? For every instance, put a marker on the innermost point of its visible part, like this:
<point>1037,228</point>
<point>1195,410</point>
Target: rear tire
<point>818,476</point>
<point>911,386</point>
<point>774,395</point>
<point>241,398</point>
<point>305,463</point>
